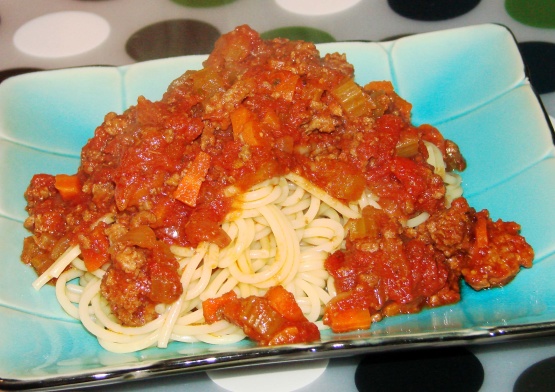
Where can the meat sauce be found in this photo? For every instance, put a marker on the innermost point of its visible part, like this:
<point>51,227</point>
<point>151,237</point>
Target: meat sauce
<point>259,109</point>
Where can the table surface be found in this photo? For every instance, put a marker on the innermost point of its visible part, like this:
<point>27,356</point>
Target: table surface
<point>34,36</point>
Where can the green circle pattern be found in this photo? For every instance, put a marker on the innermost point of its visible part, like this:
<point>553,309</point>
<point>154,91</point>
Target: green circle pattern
<point>299,33</point>
<point>536,13</point>
<point>202,3</point>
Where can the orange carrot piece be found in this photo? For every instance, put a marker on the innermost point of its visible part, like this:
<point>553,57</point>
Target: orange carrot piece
<point>93,260</point>
<point>481,231</point>
<point>384,85</point>
<point>271,119</point>
<point>189,187</point>
<point>96,255</point>
<point>245,126</point>
<point>349,320</point>
<point>239,117</point>
<point>287,85</point>
<point>68,186</point>
<point>284,303</point>
<point>250,133</point>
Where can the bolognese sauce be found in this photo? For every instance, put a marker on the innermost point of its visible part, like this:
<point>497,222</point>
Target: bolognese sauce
<point>167,172</point>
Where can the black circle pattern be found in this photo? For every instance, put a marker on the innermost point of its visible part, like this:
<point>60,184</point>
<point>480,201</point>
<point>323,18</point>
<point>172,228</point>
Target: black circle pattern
<point>172,38</point>
<point>539,58</point>
<point>432,10</point>
<point>431,370</point>
<point>537,378</point>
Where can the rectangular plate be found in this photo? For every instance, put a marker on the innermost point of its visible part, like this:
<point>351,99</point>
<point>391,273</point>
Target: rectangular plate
<point>469,82</point>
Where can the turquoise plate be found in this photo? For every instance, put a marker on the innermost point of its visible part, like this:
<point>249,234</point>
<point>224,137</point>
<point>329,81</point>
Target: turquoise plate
<point>469,82</point>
